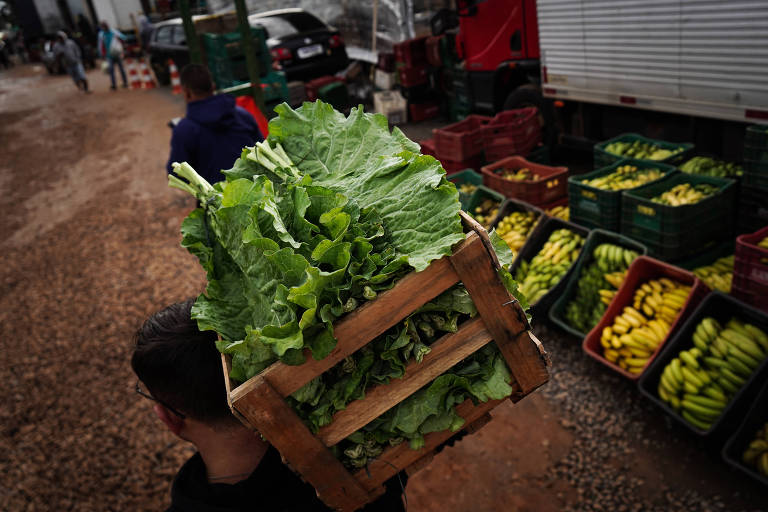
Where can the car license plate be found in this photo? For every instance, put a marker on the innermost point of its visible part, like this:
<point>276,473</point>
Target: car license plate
<point>310,51</point>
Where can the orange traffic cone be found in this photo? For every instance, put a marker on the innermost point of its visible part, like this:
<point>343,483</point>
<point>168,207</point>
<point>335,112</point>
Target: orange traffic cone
<point>133,74</point>
<point>146,78</point>
<point>175,80</point>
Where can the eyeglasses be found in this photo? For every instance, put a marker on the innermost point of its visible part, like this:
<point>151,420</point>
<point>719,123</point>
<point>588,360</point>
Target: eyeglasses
<point>164,404</point>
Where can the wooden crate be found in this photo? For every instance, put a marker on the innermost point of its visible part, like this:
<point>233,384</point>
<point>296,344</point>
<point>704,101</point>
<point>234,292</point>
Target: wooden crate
<point>260,402</point>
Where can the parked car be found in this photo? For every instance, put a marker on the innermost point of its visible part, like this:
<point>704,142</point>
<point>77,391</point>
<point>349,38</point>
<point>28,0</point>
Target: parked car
<point>168,41</point>
<point>301,45</point>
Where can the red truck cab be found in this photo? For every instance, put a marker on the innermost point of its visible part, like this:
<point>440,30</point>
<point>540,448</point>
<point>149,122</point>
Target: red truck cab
<point>499,43</point>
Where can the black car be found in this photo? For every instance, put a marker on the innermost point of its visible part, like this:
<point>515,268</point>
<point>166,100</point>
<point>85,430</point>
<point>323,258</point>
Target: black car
<point>301,45</point>
<point>168,41</point>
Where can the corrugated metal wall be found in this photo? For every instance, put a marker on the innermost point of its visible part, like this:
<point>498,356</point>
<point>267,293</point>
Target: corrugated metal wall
<point>699,50</point>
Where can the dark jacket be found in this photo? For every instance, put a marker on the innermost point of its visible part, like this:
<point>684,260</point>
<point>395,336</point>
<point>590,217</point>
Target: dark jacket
<point>272,487</point>
<point>212,136</point>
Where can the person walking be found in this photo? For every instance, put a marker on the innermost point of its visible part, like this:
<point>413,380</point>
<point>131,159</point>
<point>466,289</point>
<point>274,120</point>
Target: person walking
<point>213,133</point>
<point>111,48</point>
<point>68,53</point>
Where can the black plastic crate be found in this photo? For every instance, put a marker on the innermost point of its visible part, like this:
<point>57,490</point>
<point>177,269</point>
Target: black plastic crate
<point>739,441</point>
<point>602,158</point>
<point>677,232</point>
<point>536,240</point>
<point>599,208</point>
<point>595,238</point>
<point>721,307</point>
<point>752,213</point>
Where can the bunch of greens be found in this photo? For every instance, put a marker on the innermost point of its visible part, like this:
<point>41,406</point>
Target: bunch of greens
<point>481,377</point>
<point>327,212</point>
<point>382,359</point>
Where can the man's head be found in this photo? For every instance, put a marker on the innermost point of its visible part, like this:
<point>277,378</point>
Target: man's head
<point>61,35</point>
<point>104,25</point>
<point>196,82</point>
<point>181,368</point>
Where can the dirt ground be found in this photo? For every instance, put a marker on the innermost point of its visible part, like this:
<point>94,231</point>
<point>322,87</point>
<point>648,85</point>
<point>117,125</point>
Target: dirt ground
<point>90,242</point>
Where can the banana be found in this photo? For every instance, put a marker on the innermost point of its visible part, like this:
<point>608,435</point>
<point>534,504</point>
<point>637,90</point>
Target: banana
<point>757,335</point>
<point>704,413</point>
<point>737,366</point>
<point>731,377</point>
<point>688,359</point>
<point>742,356</point>
<point>691,378</point>
<point>743,343</point>
<point>677,370</point>
<point>709,403</point>
<point>696,422</point>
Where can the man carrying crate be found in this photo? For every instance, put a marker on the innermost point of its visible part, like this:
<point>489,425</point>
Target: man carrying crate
<point>179,368</point>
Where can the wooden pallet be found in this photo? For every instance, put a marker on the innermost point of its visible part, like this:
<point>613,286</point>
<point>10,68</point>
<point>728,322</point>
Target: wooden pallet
<point>260,402</point>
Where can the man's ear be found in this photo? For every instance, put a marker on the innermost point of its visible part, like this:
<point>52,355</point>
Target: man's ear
<point>172,421</point>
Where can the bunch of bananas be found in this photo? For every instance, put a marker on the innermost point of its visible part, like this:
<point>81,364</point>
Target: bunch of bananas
<point>718,275</point>
<point>641,150</point>
<point>756,454</point>
<point>763,243</point>
<point>685,193</point>
<point>701,381</point>
<point>597,285</point>
<point>524,174</point>
<point>467,188</point>
<point>710,167</point>
<point>624,177</point>
<point>515,227</point>
<point>561,212</point>
<point>551,263</point>
<point>640,329</point>
<point>486,212</point>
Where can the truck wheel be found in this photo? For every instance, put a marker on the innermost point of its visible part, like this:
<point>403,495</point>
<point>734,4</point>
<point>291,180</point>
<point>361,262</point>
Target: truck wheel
<point>162,74</point>
<point>529,96</point>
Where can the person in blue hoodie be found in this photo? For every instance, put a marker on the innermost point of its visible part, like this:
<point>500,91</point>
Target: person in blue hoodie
<point>215,130</point>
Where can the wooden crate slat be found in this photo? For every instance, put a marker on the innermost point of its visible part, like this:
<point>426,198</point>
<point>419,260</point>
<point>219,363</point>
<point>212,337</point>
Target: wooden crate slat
<point>384,467</point>
<point>446,352</point>
<point>363,325</point>
<point>508,330</point>
<point>276,421</point>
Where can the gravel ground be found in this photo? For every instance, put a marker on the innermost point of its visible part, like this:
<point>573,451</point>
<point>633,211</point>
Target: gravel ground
<point>90,239</point>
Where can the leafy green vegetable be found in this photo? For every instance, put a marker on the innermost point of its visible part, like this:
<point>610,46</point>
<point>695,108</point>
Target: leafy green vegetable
<point>290,248</point>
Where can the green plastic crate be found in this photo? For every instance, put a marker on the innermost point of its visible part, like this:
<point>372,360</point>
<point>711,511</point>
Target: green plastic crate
<point>756,174</point>
<point>595,238</point>
<point>462,177</point>
<point>598,208</point>
<point>228,46</point>
<point>275,86</point>
<point>603,159</point>
<point>757,136</point>
<point>709,256</point>
<point>676,232</point>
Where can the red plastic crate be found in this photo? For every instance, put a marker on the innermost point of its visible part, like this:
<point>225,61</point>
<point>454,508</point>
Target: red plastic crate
<point>412,53</point>
<point>452,166</point>
<point>411,77</point>
<point>421,111</point>
<point>386,62</point>
<point>462,140</point>
<point>750,270</point>
<point>313,86</point>
<point>433,51</point>
<point>512,132</point>
<point>644,269</point>
<point>551,186</point>
<point>428,147</point>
